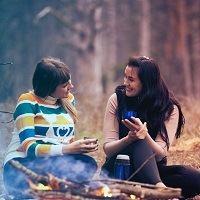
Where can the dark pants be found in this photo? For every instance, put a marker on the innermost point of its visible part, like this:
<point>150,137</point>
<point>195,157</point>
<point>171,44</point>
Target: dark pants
<point>180,176</point>
<point>70,167</point>
<point>176,176</point>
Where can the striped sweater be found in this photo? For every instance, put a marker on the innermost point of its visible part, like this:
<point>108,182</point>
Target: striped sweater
<point>41,127</point>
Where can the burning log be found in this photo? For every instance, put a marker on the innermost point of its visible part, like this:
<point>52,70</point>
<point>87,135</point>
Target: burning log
<point>141,190</point>
<point>52,181</point>
<point>55,195</point>
<point>61,189</point>
<point>148,193</point>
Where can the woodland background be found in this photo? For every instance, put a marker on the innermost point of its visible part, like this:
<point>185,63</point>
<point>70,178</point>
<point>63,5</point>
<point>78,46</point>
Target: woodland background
<point>95,38</point>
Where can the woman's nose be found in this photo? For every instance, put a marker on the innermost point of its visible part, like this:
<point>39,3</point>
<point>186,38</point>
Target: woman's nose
<point>71,85</point>
<point>126,81</point>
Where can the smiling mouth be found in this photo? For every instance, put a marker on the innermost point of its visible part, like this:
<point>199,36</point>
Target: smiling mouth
<point>128,89</point>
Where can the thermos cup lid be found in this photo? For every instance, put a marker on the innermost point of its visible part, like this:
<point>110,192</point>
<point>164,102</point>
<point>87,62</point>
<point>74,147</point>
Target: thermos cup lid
<point>122,157</point>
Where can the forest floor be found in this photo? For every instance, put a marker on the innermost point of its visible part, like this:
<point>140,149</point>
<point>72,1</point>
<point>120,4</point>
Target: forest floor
<point>185,150</point>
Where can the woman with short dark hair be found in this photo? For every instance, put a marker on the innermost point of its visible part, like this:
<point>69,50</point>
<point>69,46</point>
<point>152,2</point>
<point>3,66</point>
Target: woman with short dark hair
<point>43,137</point>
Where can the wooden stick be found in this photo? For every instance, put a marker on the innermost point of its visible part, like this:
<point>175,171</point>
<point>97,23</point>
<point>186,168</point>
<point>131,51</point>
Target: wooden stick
<point>45,180</point>
<point>146,193</point>
<point>41,179</point>
<point>144,163</point>
<point>55,195</point>
<point>140,189</point>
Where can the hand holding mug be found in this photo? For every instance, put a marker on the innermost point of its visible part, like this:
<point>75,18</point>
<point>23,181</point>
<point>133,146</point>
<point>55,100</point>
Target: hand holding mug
<point>127,114</point>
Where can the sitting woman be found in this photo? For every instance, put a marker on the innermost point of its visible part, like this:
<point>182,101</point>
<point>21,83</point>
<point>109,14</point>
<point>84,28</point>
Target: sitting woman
<point>43,137</point>
<point>159,119</point>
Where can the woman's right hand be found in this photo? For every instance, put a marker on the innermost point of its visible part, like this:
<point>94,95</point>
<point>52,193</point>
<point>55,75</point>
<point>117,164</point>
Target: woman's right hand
<point>134,135</point>
<point>81,146</point>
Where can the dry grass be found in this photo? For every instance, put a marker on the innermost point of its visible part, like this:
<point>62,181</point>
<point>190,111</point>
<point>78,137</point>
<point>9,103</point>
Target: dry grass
<point>186,150</point>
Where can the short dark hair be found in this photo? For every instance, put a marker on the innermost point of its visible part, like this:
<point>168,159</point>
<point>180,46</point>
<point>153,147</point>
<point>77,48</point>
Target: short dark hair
<point>49,73</point>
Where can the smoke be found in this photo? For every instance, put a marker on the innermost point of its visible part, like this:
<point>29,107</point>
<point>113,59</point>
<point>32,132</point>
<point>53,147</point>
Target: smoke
<point>75,168</point>
<point>5,133</point>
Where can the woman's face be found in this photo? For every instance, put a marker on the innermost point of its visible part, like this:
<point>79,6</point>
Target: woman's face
<point>132,82</point>
<point>62,91</point>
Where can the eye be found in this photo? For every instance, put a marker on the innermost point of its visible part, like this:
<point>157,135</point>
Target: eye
<point>64,85</point>
<point>131,79</point>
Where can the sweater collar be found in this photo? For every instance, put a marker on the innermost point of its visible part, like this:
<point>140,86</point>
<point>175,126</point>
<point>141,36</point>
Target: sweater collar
<point>51,100</point>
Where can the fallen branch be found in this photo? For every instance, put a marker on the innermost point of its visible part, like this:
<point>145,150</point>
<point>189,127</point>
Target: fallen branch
<point>144,163</point>
<point>53,181</point>
<point>55,195</point>
<point>6,112</point>
<point>6,63</point>
<point>148,193</point>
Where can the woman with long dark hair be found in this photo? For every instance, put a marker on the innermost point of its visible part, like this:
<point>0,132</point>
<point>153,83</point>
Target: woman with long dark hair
<point>159,119</point>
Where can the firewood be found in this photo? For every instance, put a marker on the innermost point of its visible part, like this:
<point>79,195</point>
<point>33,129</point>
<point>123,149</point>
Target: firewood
<point>41,179</point>
<point>52,194</point>
<point>64,190</point>
<point>147,193</point>
<point>141,190</point>
<point>57,195</point>
<point>45,180</point>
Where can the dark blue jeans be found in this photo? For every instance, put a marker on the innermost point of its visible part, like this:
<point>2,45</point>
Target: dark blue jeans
<point>77,167</point>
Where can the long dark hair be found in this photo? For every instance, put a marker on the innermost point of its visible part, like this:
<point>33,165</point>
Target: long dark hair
<point>155,104</point>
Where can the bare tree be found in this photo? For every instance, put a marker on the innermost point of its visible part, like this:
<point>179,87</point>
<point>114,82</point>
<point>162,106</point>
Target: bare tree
<point>195,44</point>
<point>177,49</point>
<point>84,23</point>
<point>184,48</point>
<point>145,28</point>
<point>109,44</point>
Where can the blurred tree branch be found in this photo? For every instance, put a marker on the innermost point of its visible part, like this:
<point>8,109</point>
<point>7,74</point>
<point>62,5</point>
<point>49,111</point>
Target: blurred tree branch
<point>84,20</point>
<point>56,14</point>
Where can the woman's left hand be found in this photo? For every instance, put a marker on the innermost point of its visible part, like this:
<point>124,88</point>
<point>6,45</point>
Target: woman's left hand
<point>136,127</point>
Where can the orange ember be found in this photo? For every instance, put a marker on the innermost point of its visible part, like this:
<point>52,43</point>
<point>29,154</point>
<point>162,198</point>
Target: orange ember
<point>39,186</point>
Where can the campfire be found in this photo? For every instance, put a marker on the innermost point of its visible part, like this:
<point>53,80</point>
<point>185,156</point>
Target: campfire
<point>51,187</point>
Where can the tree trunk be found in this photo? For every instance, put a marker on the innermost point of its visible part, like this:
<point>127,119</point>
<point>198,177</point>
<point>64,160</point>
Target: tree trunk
<point>184,48</point>
<point>109,46</point>
<point>89,62</point>
<point>195,46</point>
<point>145,29</point>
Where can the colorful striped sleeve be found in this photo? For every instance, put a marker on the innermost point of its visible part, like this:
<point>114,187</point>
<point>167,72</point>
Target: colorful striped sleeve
<point>24,115</point>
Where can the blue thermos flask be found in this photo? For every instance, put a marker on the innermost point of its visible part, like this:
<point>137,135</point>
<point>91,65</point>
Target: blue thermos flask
<point>122,167</point>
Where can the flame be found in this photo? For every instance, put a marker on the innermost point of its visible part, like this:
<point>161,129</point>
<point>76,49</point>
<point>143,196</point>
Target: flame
<point>133,196</point>
<point>106,191</point>
<point>53,183</point>
<point>103,191</point>
<point>40,186</point>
